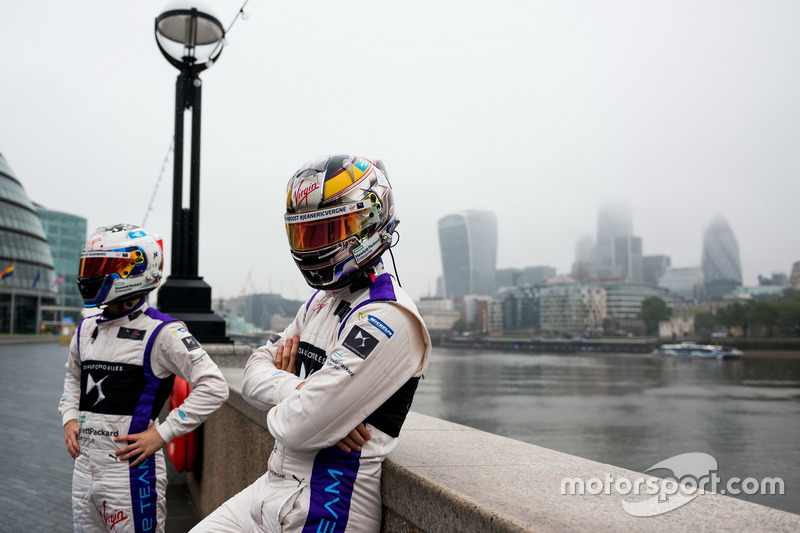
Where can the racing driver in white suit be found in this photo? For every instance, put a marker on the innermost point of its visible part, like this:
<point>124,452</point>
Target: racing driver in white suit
<point>339,381</point>
<point>120,370</point>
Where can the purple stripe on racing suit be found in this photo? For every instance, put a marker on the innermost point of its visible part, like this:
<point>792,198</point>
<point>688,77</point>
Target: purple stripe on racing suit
<point>332,479</point>
<point>143,477</point>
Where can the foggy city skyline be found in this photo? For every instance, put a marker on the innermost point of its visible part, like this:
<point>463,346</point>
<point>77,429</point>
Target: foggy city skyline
<point>541,113</point>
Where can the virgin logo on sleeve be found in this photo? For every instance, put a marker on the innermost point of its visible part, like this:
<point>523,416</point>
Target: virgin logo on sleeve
<point>360,342</point>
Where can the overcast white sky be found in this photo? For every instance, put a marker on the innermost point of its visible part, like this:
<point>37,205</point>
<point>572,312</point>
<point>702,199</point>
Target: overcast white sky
<point>540,111</point>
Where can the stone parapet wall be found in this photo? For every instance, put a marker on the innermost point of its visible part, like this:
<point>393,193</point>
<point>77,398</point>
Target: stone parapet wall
<point>445,477</point>
<point>30,339</point>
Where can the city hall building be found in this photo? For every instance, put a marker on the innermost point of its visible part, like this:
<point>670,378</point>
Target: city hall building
<point>30,298</point>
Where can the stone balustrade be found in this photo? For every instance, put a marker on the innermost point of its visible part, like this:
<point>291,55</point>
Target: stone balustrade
<point>444,477</point>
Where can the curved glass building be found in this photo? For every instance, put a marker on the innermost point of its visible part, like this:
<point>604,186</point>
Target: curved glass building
<point>468,243</point>
<point>722,267</point>
<point>26,264</point>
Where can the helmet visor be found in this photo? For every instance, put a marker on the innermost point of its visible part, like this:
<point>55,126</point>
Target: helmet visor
<point>123,261</point>
<point>317,229</point>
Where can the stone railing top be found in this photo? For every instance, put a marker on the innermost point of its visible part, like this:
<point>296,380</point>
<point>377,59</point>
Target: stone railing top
<point>448,477</point>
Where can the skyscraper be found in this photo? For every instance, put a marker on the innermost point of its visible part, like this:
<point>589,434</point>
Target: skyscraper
<point>654,267</point>
<point>468,244</point>
<point>612,221</point>
<point>722,267</point>
<point>627,252</point>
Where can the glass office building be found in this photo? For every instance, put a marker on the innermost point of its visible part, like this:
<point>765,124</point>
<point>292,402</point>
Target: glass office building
<point>67,236</point>
<point>624,298</point>
<point>722,266</point>
<point>26,264</point>
<point>468,243</point>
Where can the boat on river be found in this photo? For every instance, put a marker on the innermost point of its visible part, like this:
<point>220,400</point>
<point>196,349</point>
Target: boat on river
<point>701,351</point>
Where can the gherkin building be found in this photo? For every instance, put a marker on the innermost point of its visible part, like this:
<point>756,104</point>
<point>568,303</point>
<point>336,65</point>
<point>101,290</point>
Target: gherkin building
<point>26,264</point>
<point>722,266</point>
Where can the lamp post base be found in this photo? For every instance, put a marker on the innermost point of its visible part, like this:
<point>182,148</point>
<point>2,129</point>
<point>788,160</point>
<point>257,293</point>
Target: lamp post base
<point>189,300</point>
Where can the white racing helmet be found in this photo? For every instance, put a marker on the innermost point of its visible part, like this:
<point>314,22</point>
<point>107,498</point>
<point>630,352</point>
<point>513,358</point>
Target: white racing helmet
<point>120,262</point>
<point>340,216</point>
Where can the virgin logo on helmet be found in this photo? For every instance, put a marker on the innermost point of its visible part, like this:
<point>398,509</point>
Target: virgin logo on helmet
<point>301,194</point>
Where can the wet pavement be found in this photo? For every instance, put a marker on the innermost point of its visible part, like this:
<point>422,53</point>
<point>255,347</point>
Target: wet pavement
<point>34,466</point>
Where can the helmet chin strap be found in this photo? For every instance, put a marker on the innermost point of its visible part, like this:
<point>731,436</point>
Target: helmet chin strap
<point>120,307</point>
<point>394,263</point>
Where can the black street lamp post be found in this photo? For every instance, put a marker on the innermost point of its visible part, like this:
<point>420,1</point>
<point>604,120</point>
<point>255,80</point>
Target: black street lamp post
<point>181,34</point>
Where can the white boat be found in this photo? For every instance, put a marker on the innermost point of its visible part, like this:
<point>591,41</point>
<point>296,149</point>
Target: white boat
<point>703,351</point>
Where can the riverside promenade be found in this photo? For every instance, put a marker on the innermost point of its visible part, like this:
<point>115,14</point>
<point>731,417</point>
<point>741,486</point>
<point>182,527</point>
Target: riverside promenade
<point>35,466</point>
<point>441,478</point>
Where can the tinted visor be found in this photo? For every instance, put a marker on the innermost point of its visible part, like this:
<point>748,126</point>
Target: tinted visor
<point>90,288</point>
<point>123,261</point>
<point>317,229</point>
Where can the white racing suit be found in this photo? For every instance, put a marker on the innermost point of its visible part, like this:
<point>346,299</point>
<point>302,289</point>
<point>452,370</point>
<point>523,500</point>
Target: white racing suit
<point>361,355</point>
<point>119,373</point>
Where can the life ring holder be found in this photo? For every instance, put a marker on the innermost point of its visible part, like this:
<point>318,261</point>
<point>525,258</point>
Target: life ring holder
<point>182,450</point>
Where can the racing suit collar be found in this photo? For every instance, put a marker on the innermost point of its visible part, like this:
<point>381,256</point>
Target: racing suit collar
<point>131,313</point>
<point>359,284</point>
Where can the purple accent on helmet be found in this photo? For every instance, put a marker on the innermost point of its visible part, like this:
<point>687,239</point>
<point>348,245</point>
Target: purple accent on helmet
<point>382,289</point>
<point>332,479</point>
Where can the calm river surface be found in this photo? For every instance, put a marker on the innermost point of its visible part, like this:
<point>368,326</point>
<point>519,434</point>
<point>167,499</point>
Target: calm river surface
<point>631,410</point>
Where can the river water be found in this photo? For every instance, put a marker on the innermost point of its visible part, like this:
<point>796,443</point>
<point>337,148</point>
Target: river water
<point>632,410</point>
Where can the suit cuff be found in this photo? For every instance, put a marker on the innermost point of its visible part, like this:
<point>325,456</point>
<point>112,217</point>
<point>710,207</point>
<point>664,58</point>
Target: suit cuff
<point>69,414</point>
<point>166,431</point>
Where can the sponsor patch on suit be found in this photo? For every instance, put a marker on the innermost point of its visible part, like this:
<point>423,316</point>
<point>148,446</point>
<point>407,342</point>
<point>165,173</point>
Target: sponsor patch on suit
<point>190,342</point>
<point>360,342</point>
<point>133,334</point>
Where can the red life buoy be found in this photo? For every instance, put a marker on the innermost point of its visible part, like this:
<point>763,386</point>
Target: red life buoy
<point>181,450</point>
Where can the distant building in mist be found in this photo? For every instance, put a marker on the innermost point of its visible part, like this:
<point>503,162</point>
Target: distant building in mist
<point>722,266</point>
<point>612,221</point>
<point>520,309</point>
<point>794,276</point>
<point>627,253</point>
<point>522,277</point>
<point>624,299</point>
<point>468,244</point>
<point>777,279</point>
<point>585,249</point>
<point>654,267</point>
<point>269,311</point>
<point>592,271</point>
<point>570,307</point>
<point>438,313</point>
<point>688,283</point>
<point>616,254</point>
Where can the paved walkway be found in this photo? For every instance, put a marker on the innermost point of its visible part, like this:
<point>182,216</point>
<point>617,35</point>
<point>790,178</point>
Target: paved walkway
<point>34,465</point>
